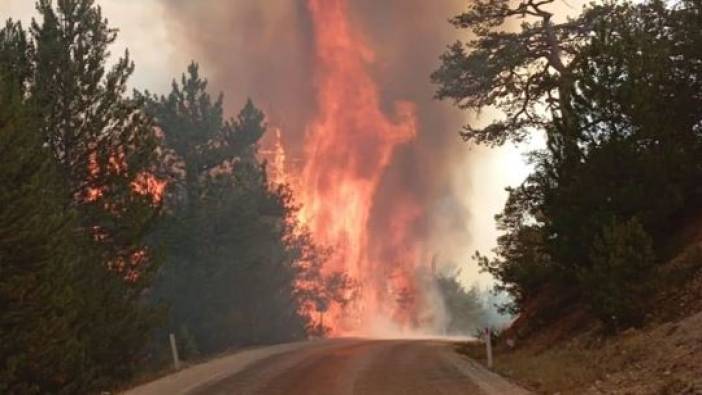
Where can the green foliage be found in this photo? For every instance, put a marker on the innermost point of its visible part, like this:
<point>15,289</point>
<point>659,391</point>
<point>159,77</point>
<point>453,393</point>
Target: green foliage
<point>233,248</point>
<point>616,91</point>
<point>620,280</point>
<point>520,73</point>
<point>35,264</point>
<point>16,53</point>
<point>102,140</point>
<point>522,261</point>
<point>74,261</point>
<point>67,325</point>
<point>522,266</point>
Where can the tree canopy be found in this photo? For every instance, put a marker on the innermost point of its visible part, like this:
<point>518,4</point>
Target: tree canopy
<point>73,253</point>
<point>616,91</point>
<point>235,250</point>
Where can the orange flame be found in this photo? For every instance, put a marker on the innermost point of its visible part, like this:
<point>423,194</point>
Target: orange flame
<point>348,146</point>
<point>145,183</point>
<point>277,169</point>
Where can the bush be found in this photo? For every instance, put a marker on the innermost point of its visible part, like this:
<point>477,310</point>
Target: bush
<point>619,282</point>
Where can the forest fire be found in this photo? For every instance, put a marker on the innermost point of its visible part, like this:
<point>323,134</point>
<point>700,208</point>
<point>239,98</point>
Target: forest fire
<point>348,145</point>
<point>372,160</point>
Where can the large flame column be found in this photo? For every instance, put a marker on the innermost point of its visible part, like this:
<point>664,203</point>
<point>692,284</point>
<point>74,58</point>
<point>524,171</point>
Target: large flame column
<point>348,145</point>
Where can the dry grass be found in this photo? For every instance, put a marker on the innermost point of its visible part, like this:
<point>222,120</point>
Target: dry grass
<point>562,370</point>
<point>661,359</point>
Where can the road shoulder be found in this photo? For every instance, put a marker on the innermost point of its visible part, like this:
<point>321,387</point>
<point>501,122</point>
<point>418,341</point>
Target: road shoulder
<point>489,382</point>
<point>194,376</point>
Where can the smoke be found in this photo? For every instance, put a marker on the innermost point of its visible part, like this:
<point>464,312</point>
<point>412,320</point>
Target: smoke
<point>409,36</point>
<point>419,206</point>
<point>255,49</point>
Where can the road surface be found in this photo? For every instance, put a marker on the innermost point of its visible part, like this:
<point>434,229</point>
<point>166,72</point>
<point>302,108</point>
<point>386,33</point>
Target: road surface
<point>340,366</point>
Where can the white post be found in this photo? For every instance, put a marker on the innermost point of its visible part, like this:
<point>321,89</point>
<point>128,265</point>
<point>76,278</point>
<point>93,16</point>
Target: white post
<point>174,351</point>
<point>488,347</point>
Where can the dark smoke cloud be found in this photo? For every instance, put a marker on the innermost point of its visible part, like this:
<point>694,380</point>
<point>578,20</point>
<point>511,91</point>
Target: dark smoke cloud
<point>251,48</point>
<point>264,49</point>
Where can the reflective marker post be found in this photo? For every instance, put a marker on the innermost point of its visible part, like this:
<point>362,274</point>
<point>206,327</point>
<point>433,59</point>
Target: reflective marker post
<point>488,347</point>
<point>174,351</point>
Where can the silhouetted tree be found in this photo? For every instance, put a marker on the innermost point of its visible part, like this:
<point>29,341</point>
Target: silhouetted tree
<point>616,91</point>
<point>103,141</point>
<point>233,254</point>
<point>73,218</point>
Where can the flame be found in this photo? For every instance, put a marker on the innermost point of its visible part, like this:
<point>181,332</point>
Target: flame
<point>348,146</point>
<point>148,185</point>
<point>92,194</point>
<point>277,169</point>
<point>145,183</point>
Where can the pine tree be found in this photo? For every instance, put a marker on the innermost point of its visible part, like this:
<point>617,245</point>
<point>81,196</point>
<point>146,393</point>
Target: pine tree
<point>103,140</point>
<point>231,256</point>
<point>37,342</point>
<point>73,256</point>
<point>616,92</point>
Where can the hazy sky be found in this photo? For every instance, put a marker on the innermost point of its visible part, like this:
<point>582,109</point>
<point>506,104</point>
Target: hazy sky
<point>141,29</point>
<point>478,176</point>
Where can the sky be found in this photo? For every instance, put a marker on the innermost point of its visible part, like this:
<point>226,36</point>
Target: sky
<point>141,30</point>
<point>258,49</point>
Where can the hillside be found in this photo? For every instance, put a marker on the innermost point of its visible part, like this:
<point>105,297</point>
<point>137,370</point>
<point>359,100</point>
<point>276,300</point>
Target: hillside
<point>573,355</point>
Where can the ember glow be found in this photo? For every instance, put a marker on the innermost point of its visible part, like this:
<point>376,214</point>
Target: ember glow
<point>348,145</point>
<point>145,183</point>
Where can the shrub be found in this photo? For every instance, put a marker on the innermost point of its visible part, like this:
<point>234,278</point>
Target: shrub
<point>619,282</point>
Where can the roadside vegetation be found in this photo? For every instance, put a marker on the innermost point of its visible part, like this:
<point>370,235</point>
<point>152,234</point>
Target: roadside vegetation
<point>617,93</point>
<point>599,240</point>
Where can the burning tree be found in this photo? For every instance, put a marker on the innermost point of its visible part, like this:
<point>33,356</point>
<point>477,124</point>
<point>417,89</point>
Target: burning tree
<point>349,144</point>
<point>104,143</point>
<point>75,149</point>
<point>234,249</point>
<point>319,291</point>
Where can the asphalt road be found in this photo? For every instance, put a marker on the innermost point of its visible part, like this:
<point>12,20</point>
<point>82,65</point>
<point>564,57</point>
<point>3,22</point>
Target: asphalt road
<point>342,366</point>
